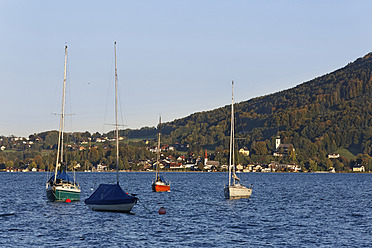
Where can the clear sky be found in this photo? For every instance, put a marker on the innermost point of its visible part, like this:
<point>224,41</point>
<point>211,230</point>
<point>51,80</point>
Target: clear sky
<point>175,57</point>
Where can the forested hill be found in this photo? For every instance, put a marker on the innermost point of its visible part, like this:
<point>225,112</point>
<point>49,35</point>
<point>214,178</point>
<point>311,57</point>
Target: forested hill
<point>329,114</point>
<point>318,117</point>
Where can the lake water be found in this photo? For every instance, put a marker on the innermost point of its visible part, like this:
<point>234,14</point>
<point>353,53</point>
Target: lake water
<point>285,210</point>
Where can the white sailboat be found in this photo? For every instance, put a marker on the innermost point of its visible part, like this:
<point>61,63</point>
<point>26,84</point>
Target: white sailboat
<point>111,197</point>
<point>234,189</point>
<point>61,187</point>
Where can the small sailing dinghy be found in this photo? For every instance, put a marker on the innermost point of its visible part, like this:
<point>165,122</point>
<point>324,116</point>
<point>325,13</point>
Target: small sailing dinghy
<point>234,190</point>
<point>61,187</point>
<point>159,184</point>
<point>111,197</point>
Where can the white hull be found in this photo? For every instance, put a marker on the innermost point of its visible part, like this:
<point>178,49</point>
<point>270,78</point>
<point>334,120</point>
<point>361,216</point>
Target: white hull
<point>159,183</point>
<point>68,188</point>
<point>112,208</point>
<point>237,191</point>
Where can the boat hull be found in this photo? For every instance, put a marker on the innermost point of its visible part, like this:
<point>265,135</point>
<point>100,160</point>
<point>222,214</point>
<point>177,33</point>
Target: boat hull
<point>160,188</point>
<point>111,198</point>
<point>237,192</point>
<point>62,195</point>
<point>122,208</point>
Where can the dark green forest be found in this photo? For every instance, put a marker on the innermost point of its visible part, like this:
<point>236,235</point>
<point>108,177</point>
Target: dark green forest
<point>329,114</point>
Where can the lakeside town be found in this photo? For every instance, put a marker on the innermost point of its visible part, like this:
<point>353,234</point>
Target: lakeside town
<point>171,160</point>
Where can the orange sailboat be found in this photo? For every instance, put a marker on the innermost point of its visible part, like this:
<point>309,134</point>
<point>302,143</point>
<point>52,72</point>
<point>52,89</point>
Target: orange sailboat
<point>159,184</point>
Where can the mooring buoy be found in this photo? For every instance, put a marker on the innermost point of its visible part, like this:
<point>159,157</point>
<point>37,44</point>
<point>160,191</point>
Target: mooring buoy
<point>162,210</point>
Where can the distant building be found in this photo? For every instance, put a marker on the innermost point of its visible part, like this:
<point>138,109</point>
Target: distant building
<point>101,167</point>
<point>333,155</point>
<point>190,166</point>
<point>176,166</point>
<point>359,168</point>
<point>181,159</point>
<point>282,150</point>
<point>273,166</point>
<point>239,167</point>
<point>210,164</point>
<point>244,151</point>
<point>277,142</point>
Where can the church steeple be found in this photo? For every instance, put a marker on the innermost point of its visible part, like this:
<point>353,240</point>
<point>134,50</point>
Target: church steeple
<point>277,142</point>
<point>205,158</point>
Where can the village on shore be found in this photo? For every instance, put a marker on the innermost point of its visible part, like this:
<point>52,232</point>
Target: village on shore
<point>184,163</point>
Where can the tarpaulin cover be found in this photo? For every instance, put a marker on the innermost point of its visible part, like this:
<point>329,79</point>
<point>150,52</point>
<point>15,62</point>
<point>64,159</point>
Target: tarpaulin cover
<point>109,194</point>
<point>63,176</point>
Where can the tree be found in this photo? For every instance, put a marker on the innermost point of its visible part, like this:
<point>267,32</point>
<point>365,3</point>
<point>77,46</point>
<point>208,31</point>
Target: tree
<point>2,160</point>
<point>292,154</point>
<point>9,164</point>
<point>88,165</point>
<point>32,165</point>
<point>338,166</point>
<point>260,148</point>
<point>39,162</point>
<point>329,164</point>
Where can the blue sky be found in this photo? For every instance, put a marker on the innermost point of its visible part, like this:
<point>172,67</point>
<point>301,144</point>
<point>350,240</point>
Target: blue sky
<point>175,58</point>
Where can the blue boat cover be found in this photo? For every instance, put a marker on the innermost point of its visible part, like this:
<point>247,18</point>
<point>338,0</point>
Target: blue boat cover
<point>63,176</point>
<point>109,194</point>
<point>161,179</point>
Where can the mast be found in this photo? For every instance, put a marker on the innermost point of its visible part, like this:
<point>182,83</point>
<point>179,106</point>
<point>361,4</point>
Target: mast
<point>231,162</point>
<point>116,119</point>
<point>62,123</point>
<point>158,150</point>
<point>233,135</point>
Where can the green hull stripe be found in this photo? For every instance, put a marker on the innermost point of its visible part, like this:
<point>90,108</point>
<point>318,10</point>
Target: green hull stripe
<point>60,195</point>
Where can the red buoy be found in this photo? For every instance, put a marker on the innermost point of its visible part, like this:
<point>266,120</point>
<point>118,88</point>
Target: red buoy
<point>162,211</point>
<point>68,200</point>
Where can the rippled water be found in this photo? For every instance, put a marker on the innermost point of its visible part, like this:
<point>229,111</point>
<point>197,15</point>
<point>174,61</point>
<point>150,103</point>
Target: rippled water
<point>285,210</point>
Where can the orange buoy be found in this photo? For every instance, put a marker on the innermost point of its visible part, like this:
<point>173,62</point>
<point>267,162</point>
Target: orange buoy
<point>68,200</point>
<point>162,211</point>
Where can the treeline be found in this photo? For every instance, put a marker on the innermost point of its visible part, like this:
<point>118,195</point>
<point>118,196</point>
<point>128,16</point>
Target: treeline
<point>78,157</point>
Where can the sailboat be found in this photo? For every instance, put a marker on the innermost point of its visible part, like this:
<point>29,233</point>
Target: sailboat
<point>234,189</point>
<point>159,184</point>
<point>61,187</point>
<point>111,197</point>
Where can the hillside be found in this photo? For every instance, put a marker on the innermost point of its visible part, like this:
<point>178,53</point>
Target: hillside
<point>329,114</point>
<point>318,117</point>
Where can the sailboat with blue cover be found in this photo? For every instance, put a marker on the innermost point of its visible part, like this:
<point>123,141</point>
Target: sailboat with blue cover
<point>111,197</point>
<point>61,187</point>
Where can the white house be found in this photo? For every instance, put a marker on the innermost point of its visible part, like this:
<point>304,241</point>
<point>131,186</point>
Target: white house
<point>333,155</point>
<point>239,167</point>
<point>101,167</point>
<point>244,151</point>
<point>359,168</point>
